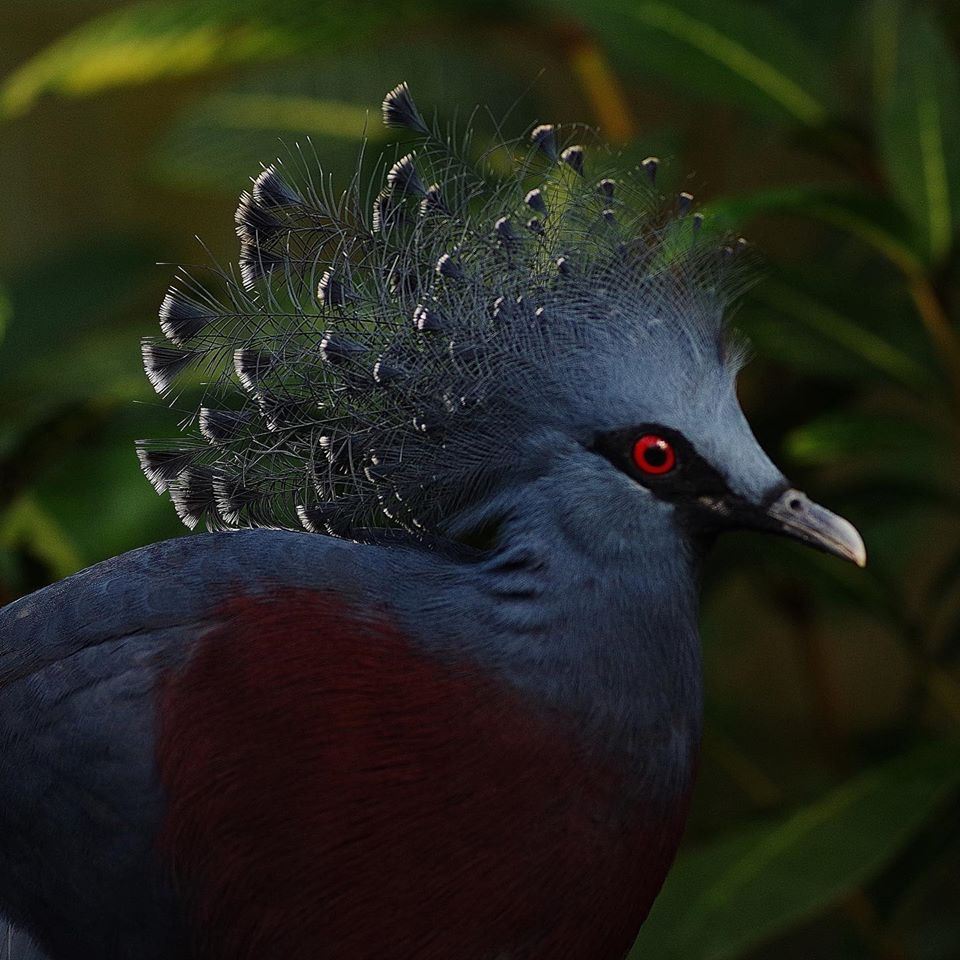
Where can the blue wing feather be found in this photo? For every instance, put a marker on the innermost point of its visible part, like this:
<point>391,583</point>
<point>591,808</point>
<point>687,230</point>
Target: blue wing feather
<point>80,804</point>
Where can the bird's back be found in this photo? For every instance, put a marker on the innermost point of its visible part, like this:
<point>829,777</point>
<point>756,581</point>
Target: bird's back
<point>82,663</point>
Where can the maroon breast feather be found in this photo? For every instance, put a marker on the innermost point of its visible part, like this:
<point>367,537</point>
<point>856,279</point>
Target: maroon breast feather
<point>337,793</point>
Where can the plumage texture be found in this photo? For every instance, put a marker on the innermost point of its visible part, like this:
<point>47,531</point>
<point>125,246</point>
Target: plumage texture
<point>374,723</point>
<point>326,764</point>
<point>382,363</point>
<point>278,744</point>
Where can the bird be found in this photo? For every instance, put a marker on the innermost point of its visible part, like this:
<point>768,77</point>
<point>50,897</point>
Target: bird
<point>429,685</point>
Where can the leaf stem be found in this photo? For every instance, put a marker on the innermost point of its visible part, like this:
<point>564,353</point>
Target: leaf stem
<point>753,781</point>
<point>602,88</point>
<point>936,323</point>
<point>863,914</point>
<point>944,690</point>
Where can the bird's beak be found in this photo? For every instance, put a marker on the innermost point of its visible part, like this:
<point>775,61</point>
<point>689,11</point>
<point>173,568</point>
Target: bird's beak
<point>794,515</point>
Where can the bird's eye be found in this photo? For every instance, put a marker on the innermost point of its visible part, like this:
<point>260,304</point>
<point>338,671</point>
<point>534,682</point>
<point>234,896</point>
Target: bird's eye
<point>654,455</point>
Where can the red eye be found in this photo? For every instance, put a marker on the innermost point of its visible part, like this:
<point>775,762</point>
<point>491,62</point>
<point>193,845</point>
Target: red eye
<point>654,455</point>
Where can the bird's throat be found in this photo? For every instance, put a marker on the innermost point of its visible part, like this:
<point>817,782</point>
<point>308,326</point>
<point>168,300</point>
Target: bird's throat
<point>613,644</point>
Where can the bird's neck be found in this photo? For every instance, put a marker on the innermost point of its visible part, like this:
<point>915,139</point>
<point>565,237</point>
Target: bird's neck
<point>607,631</point>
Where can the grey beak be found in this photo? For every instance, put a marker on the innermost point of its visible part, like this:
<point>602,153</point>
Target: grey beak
<point>794,515</point>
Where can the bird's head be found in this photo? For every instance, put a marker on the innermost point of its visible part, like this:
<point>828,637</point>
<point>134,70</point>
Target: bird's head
<point>466,344</point>
<point>629,422</point>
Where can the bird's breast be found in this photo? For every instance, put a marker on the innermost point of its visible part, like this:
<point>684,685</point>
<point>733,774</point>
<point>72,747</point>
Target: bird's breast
<point>334,790</point>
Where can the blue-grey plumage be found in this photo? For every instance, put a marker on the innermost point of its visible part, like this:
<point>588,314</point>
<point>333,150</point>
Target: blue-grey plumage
<point>16,945</point>
<point>80,806</point>
<point>522,435</point>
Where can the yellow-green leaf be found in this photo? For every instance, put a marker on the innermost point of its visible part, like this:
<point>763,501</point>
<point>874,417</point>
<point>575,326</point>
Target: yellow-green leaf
<point>221,140</point>
<point>166,38</point>
<point>26,523</point>
<point>137,44</point>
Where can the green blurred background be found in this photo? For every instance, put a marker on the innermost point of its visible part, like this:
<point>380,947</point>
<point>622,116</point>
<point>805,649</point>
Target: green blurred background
<point>826,821</point>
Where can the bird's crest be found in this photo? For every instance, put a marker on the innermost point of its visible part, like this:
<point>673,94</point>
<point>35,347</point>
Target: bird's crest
<point>376,354</point>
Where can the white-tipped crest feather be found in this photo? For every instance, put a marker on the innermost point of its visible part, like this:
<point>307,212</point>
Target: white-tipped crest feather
<point>379,362</point>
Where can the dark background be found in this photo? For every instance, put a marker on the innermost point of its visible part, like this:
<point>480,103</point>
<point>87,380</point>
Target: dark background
<point>826,821</point>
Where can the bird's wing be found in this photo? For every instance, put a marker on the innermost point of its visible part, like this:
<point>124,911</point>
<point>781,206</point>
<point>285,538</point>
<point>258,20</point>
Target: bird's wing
<point>80,666</point>
<point>79,800</point>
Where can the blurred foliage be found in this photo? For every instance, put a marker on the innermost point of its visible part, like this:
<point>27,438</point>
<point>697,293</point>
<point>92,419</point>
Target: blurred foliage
<point>760,879</point>
<point>826,823</point>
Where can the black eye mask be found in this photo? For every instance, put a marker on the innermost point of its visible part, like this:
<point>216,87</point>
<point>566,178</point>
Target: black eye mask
<point>690,476</point>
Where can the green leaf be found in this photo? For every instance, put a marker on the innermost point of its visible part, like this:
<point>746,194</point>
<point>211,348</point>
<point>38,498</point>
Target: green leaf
<point>752,885</point>
<point>919,131</point>
<point>140,43</point>
<point>64,345</point>
<point>153,39</point>
<point>5,311</point>
<point>883,23</point>
<point>870,218</point>
<point>847,435</point>
<point>847,334</point>
<point>721,49</point>
<point>26,524</point>
<point>103,471</point>
<point>224,138</point>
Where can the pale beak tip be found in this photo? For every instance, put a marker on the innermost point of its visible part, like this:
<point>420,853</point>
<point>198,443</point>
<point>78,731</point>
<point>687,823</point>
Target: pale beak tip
<point>799,517</point>
<point>849,542</point>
